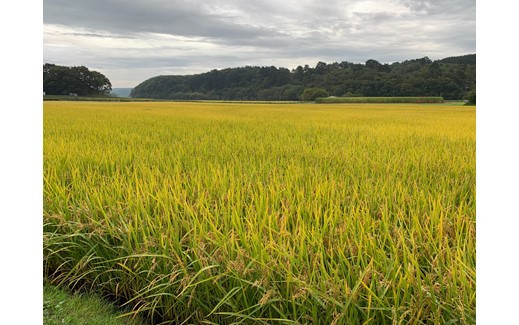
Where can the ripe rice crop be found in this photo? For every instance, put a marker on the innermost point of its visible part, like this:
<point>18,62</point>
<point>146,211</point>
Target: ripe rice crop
<point>223,213</point>
<point>416,100</point>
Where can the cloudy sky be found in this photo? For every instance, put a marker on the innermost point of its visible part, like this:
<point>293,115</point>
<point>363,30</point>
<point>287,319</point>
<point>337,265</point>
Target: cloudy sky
<point>130,41</point>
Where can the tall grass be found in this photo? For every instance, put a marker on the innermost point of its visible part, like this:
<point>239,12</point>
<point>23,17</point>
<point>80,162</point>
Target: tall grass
<point>415,100</point>
<point>224,213</point>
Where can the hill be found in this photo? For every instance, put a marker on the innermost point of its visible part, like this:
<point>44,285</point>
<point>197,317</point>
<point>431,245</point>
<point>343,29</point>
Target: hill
<point>121,92</point>
<point>450,78</point>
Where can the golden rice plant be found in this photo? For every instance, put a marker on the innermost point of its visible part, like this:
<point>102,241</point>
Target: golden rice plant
<point>220,213</point>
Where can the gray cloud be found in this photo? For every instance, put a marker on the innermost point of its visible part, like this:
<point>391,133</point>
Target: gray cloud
<point>130,41</point>
<point>183,18</point>
<point>441,6</point>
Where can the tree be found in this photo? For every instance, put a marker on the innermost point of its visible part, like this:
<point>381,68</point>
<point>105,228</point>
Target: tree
<point>310,94</point>
<point>471,97</point>
<point>61,80</point>
<point>298,74</point>
<point>373,64</point>
<point>320,67</point>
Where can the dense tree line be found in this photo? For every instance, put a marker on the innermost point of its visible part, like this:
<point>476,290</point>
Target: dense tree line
<point>310,94</point>
<point>451,78</point>
<point>61,80</point>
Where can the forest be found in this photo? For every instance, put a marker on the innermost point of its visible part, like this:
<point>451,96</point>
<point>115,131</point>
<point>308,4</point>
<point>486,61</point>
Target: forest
<point>451,78</point>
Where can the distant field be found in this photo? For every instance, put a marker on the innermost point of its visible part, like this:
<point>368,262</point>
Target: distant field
<point>227,212</point>
<point>130,99</point>
<point>94,99</point>
<point>415,100</point>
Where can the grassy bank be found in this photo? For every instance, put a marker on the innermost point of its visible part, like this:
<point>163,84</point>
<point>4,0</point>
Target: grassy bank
<point>62,307</point>
<point>224,212</point>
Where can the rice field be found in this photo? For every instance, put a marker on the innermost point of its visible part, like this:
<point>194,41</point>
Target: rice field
<point>220,213</point>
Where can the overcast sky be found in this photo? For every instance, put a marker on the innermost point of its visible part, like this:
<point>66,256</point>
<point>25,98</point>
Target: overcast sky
<point>130,41</point>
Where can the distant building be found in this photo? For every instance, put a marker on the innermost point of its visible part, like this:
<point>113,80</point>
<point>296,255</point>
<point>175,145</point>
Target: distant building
<point>72,94</point>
